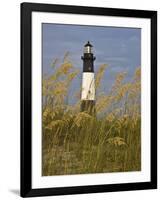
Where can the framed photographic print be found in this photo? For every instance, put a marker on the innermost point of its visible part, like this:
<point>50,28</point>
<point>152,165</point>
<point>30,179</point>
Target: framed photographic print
<point>88,99</point>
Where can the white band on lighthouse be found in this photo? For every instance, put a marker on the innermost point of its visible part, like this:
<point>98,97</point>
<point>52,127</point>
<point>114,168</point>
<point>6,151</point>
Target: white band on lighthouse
<point>88,86</point>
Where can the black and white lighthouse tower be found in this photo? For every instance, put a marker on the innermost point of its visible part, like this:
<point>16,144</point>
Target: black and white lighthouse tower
<point>88,81</point>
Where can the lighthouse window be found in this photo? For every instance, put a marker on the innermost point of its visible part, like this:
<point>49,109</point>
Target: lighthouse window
<point>87,49</point>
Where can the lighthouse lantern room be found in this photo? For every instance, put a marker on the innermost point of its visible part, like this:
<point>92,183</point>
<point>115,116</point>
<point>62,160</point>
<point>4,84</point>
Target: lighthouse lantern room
<point>88,81</point>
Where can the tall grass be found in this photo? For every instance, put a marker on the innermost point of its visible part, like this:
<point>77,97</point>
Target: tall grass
<point>76,142</point>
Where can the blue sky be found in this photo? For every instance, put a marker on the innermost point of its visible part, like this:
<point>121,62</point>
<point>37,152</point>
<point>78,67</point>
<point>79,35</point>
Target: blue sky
<point>120,48</point>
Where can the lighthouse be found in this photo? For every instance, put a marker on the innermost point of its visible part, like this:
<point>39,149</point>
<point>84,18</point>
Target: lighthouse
<point>88,81</point>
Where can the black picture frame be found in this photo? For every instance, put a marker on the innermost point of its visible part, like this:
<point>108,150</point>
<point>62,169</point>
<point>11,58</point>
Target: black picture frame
<point>26,100</point>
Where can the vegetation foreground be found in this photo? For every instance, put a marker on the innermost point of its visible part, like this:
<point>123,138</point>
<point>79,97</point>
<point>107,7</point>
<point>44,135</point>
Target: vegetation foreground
<point>76,142</point>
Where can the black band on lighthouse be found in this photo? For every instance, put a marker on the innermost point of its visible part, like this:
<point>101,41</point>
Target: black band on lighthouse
<point>88,59</point>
